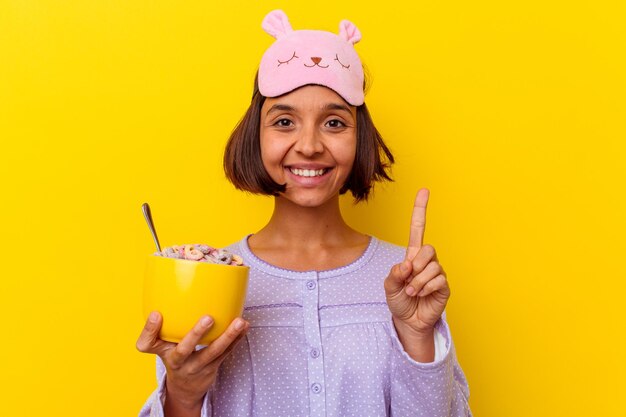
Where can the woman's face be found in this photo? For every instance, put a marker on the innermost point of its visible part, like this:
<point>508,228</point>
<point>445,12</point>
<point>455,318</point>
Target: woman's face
<point>308,141</point>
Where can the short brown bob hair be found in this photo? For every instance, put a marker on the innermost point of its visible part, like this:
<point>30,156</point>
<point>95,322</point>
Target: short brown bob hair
<point>244,168</point>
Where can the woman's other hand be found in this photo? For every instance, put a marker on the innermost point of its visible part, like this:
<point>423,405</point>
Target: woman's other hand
<point>417,288</point>
<point>190,372</point>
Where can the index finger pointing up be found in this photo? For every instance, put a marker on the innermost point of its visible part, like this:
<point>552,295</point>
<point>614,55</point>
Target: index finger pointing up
<point>418,223</point>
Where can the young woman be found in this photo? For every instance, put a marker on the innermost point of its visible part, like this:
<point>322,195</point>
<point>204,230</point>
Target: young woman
<point>336,322</point>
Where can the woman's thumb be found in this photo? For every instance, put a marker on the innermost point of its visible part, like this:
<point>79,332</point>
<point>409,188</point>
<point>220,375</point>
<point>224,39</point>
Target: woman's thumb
<point>396,279</point>
<point>149,336</point>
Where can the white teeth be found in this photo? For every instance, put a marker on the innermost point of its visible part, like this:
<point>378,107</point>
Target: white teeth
<point>308,172</point>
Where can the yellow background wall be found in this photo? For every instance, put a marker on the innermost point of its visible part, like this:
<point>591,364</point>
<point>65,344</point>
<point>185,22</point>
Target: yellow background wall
<point>512,113</point>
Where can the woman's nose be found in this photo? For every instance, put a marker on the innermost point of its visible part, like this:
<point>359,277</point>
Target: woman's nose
<point>309,143</point>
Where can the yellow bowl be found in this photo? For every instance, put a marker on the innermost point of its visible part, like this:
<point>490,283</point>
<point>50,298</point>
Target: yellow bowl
<point>183,291</point>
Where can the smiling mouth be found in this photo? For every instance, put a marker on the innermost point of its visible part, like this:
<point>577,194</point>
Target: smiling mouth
<point>309,172</point>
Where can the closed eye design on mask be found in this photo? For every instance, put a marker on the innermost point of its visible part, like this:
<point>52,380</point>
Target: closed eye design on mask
<point>337,59</point>
<point>287,61</point>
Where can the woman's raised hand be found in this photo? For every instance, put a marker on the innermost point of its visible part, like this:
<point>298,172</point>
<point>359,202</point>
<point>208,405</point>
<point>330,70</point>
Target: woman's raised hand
<point>190,372</point>
<point>417,289</point>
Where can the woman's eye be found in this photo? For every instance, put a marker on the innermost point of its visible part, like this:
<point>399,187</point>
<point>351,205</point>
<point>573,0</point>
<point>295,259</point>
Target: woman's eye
<point>283,123</point>
<point>336,123</point>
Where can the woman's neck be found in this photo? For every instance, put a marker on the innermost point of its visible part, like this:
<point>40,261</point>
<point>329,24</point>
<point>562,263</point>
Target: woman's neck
<point>308,238</point>
<point>296,226</point>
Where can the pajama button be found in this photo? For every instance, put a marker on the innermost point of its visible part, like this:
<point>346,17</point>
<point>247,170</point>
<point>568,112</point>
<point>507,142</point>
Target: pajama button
<point>316,388</point>
<point>315,353</point>
<point>311,285</point>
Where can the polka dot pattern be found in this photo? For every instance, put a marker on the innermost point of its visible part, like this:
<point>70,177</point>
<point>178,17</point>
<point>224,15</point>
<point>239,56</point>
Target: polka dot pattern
<point>322,343</point>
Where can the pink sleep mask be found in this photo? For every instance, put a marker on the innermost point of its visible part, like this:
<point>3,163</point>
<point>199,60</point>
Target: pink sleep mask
<point>301,57</point>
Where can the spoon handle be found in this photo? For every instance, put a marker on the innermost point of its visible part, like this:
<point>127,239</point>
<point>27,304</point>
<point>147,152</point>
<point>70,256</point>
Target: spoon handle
<point>148,215</point>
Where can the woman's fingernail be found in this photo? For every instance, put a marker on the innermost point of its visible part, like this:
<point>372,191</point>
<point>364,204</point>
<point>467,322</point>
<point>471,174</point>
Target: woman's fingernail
<point>154,317</point>
<point>239,324</point>
<point>410,290</point>
<point>206,322</point>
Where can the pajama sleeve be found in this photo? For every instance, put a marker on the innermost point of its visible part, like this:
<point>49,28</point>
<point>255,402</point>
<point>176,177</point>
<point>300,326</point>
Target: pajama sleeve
<point>154,405</point>
<point>436,389</point>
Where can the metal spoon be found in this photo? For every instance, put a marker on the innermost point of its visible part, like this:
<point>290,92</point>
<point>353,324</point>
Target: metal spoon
<point>145,207</point>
